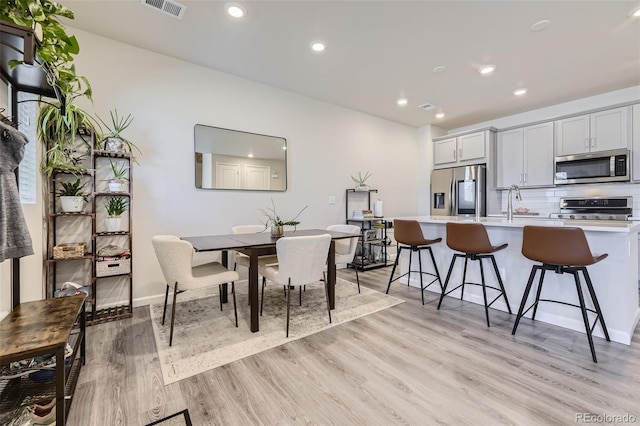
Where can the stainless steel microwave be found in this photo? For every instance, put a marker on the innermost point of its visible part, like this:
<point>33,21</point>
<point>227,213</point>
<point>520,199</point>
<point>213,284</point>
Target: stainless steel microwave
<point>604,166</point>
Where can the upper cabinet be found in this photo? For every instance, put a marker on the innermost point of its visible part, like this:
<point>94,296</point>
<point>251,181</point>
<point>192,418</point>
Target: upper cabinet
<point>599,131</point>
<point>636,142</point>
<point>470,148</point>
<point>525,156</point>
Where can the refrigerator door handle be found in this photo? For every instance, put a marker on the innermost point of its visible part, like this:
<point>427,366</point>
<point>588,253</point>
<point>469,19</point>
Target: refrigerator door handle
<point>453,202</point>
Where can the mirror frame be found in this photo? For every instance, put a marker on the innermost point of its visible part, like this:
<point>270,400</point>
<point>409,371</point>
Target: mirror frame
<point>250,138</point>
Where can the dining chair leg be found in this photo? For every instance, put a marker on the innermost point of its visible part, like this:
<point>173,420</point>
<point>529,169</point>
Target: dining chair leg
<point>301,295</point>
<point>326,293</point>
<point>264,284</point>
<point>220,295</point>
<point>357,279</point>
<point>288,305</point>
<point>173,312</point>
<point>235,310</point>
<point>164,311</point>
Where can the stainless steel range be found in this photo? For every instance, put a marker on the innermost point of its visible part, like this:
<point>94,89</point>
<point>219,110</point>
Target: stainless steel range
<point>597,208</point>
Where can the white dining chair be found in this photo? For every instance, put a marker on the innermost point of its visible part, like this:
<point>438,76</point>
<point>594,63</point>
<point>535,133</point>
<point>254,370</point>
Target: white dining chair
<point>241,258</point>
<point>301,261</point>
<point>175,257</point>
<point>346,248</point>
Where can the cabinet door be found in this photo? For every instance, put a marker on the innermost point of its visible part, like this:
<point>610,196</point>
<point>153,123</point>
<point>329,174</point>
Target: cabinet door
<point>471,147</point>
<point>572,135</point>
<point>609,129</point>
<point>509,156</point>
<point>636,142</point>
<point>538,155</point>
<point>444,151</point>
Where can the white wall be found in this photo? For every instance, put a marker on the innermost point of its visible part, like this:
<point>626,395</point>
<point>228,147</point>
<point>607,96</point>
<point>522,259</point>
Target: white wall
<point>167,97</point>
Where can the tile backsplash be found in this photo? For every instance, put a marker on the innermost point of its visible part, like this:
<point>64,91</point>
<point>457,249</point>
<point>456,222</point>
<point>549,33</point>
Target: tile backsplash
<point>547,200</point>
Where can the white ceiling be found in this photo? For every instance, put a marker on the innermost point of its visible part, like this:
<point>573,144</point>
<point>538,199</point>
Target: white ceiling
<point>379,51</point>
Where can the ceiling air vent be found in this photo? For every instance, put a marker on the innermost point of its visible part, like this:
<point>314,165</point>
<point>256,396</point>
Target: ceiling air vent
<point>169,7</point>
<point>428,106</point>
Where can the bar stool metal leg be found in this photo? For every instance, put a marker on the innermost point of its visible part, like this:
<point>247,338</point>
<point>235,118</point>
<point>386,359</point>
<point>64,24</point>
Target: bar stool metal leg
<point>596,305</point>
<point>525,296</point>
<point>446,281</point>
<point>585,318</point>
<point>504,293</point>
<point>421,283</point>
<point>535,305</point>
<point>433,259</point>
<point>464,276</point>
<point>484,292</point>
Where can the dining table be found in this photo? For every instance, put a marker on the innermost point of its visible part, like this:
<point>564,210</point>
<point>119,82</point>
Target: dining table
<point>259,244</point>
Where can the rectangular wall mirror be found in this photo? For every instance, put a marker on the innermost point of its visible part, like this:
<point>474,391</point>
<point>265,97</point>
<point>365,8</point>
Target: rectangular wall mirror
<point>231,159</point>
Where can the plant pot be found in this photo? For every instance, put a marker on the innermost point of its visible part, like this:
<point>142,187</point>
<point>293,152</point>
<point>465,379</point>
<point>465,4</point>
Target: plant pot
<point>116,185</point>
<point>114,144</point>
<point>277,231</point>
<point>113,224</point>
<point>362,187</point>
<point>71,204</point>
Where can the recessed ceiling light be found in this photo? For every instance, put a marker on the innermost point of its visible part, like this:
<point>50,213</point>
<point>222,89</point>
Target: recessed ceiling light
<point>439,69</point>
<point>318,46</point>
<point>235,10</point>
<point>440,115</point>
<point>540,25</point>
<point>520,92</point>
<point>635,12</point>
<point>250,155</point>
<point>487,69</point>
<point>402,101</point>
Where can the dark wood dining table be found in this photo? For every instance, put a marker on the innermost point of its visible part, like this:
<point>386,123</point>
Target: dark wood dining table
<point>259,244</point>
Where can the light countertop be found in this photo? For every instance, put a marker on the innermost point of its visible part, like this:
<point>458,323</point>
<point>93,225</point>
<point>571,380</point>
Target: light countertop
<point>519,222</point>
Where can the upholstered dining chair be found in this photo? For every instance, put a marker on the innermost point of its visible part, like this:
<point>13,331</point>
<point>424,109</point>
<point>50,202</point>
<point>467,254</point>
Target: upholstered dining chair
<point>301,261</point>
<point>346,248</point>
<point>241,258</point>
<point>175,257</point>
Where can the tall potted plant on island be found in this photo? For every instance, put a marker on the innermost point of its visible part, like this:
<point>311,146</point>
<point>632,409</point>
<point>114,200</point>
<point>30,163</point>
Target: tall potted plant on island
<point>115,207</point>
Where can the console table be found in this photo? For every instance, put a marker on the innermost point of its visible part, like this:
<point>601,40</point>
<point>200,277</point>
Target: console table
<point>39,328</point>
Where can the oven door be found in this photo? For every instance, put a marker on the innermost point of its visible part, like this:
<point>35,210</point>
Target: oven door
<point>608,166</point>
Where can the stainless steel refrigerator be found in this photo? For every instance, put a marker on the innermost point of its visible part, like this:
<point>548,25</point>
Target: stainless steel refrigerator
<point>459,191</point>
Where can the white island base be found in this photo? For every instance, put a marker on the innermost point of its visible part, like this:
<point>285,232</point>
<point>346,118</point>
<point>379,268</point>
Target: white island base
<point>615,279</point>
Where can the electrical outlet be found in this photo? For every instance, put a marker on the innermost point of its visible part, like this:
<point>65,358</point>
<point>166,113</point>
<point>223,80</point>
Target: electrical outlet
<point>332,199</point>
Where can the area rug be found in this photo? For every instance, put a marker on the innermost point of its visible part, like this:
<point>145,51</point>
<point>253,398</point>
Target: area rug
<point>181,418</point>
<point>205,337</point>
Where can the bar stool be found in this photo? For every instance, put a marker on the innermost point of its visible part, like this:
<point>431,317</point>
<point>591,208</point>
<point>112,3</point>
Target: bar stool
<point>408,235</point>
<point>472,240</point>
<point>561,250</point>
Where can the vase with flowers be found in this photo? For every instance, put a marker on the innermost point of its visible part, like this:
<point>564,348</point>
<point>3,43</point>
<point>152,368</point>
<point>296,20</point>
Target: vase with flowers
<point>276,223</point>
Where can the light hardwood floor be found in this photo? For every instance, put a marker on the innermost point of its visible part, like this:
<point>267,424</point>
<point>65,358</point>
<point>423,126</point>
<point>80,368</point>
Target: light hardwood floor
<point>409,364</point>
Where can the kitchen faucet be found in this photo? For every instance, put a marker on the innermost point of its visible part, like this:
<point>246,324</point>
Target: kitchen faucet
<point>510,202</point>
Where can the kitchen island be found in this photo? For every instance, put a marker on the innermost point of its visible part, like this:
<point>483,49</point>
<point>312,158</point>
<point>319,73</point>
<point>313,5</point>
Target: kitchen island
<point>615,279</point>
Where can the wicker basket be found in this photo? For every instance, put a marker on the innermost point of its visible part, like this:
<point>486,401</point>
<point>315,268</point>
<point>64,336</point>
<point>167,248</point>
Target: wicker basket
<point>113,267</point>
<point>69,251</point>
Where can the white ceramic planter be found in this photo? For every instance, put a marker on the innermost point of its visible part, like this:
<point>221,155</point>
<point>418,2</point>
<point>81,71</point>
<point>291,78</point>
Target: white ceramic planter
<point>71,204</point>
<point>113,224</point>
<point>116,186</point>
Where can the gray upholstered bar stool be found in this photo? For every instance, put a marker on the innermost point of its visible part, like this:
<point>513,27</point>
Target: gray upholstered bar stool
<point>561,250</point>
<point>472,240</point>
<point>408,235</point>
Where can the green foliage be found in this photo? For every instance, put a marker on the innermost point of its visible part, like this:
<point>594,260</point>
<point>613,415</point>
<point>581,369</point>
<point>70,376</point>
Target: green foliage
<point>361,180</point>
<point>119,170</point>
<point>116,206</point>
<point>274,219</point>
<point>55,47</point>
<point>72,189</point>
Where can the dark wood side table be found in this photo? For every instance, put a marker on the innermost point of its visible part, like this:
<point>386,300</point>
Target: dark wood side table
<point>44,327</point>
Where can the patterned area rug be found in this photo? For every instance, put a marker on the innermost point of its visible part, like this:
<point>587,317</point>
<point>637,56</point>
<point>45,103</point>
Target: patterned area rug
<point>206,338</point>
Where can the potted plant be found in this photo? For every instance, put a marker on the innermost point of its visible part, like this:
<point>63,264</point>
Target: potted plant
<point>119,171</point>
<point>361,181</point>
<point>276,223</point>
<point>113,140</point>
<point>115,207</point>
<point>71,197</point>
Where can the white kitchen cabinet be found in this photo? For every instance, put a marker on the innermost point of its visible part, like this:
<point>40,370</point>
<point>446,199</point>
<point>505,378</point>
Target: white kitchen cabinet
<point>598,131</point>
<point>636,142</point>
<point>525,156</point>
<point>469,148</point>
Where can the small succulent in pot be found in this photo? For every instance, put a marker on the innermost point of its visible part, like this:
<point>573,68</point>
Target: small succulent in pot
<point>276,223</point>
<point>361,181</point>
<point>115,207</point>
<point>119,171</point>
<point>71,196</point>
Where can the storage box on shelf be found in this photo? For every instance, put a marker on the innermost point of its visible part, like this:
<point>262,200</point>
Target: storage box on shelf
<point>41,332</point>
<point>372,245</point>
